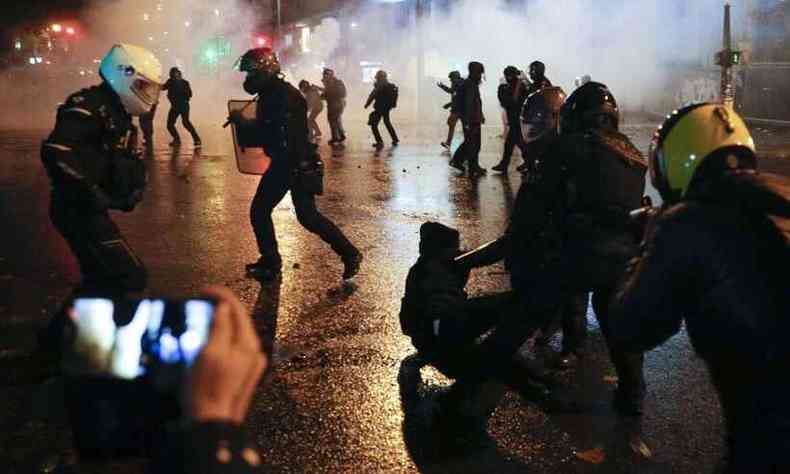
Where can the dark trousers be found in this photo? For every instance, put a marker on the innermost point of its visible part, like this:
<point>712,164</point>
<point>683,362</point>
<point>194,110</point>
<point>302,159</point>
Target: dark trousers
<point>334,113</point>
<point>469,151</point>
<point>512,141</point>
<point>271,190</point>
<point>108,265</point>
<point>572,319</point>
<point>375,119</point>
<point>183,112</point>
<point>147,126</point>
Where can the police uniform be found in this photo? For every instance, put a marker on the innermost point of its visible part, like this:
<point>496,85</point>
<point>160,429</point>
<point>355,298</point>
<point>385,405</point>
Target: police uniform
<point>88,159</point>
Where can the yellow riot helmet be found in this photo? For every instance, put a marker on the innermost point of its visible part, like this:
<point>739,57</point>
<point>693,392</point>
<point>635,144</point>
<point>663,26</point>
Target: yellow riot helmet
<point>698,140</point>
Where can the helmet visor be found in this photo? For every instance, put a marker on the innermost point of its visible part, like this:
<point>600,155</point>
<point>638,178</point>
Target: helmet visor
<point>147,91</point>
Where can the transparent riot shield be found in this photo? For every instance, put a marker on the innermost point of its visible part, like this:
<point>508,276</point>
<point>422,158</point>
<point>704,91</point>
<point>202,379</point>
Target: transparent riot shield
<point>250,156</point>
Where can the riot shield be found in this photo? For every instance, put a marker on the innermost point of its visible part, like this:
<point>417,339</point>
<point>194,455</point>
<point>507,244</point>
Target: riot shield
<point>250,156</point>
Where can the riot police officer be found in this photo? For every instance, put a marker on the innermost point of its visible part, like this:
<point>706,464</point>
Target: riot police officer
<point>92,162</point>
<point>571,232</point>
<point>512,95</point>
<point>384,98</point>
<point>282,118</point>
<point>716,256</point>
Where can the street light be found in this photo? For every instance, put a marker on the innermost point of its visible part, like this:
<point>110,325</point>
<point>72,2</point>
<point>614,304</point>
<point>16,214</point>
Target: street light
<point>70,30</point>
<point>57,27</point>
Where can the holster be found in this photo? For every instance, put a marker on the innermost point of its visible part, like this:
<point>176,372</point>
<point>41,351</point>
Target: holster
<point>309,173</point>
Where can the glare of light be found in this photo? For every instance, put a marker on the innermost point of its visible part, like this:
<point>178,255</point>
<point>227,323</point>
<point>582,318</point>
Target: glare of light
<point>354,24</point>
<point>82,72</point>
<point>39,59</point>
<point>165,33</point>
<point>57,28</point>
<point>32,60</point>
<point>18,44</point>
<point>96,61</point>
<point>216,12</point>
<point>187,23</point>
<point>49,44</point>
<point>261,41</point>
<point>190,345</point>
<point>70,30</point>
<point>168,347</point>
<point>150,38</point>
<point>159,7</point>
<point>146,17</point>
<point>305,42</point>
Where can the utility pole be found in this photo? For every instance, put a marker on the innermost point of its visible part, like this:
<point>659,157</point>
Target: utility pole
<point>419,14</point>
<point>278,22</point>
<point>727,58</point>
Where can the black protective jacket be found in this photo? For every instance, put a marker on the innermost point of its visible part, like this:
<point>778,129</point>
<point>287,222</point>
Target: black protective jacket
<point>384,97</point>
<point>575,218</point>
<point>179,92</point>
<point>570,229</point>
<point>512,101</point>
<point>718,261</point>
<point>282,118</point>
<point>90,155</point>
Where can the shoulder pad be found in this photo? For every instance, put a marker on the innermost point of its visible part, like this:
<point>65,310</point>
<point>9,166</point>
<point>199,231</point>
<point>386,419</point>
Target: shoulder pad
<point>619,144</point>
<point>85,102</point>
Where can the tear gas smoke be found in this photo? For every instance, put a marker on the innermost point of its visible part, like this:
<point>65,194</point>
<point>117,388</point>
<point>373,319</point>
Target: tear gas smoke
<point>635,46</point>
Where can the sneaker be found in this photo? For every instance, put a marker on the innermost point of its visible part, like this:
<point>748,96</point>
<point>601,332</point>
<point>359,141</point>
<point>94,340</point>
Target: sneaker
<point>378,146</point>
<point>501,167</point>
<point>446,146</point>
<point>351,265</point>
<point>523,168</point>
<point>263,270</point>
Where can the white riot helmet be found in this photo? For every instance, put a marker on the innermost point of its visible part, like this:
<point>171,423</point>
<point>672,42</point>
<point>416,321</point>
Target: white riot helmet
<point>135,74</point>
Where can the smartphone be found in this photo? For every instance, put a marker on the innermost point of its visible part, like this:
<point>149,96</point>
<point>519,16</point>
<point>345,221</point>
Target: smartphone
<point>127,369</point>
<point>132,339</point>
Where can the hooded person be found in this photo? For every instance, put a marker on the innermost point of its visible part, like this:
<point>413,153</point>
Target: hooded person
<point>470,109</point>
<point>179,93</point>
<point>282,120</point>
<point>335,97</point>
<point>384,98</point>
<point>452,120</point>
<point>512,96</point>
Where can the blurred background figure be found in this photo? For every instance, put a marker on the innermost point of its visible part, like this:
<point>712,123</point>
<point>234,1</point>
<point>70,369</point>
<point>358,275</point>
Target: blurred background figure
<point>179,93</point>
<point>384,98</point>
<point>335,97</point>
<point>455,83</point>
<point>314,107</point>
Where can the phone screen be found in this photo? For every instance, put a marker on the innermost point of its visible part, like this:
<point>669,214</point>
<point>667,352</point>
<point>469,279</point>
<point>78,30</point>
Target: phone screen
<point>131,339</point>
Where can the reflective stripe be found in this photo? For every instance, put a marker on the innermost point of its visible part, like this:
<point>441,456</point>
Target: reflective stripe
<point>79,110</point>
<point>58,147</point>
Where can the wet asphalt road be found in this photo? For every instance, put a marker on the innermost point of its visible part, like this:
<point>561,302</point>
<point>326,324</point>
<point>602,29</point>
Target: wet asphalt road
<point>343,396</point>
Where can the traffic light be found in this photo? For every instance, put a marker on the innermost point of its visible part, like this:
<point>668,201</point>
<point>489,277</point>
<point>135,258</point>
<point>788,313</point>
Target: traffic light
<point>728,58</point>
<point>213,50</point>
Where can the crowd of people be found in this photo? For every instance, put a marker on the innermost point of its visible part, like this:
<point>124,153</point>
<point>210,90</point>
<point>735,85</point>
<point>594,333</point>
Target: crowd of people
<point>714,255</point>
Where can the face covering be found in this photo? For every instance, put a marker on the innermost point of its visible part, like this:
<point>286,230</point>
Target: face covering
<point>255,84</point>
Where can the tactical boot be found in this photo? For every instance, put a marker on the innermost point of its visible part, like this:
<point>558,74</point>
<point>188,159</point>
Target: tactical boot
<point>265,269</point>
<point>351,264</point>
<point>501,167</point>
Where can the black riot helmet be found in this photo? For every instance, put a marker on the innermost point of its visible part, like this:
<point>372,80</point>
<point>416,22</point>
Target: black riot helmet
<point>454,76</point>
<point>175,73</point>
<point>540,114</point>
<point>590,106</point>
<point>261,66</point>
<point>537,71</point>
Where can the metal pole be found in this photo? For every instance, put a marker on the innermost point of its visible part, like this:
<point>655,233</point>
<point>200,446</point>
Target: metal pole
<point>727,80</point>
<point>279,18</point>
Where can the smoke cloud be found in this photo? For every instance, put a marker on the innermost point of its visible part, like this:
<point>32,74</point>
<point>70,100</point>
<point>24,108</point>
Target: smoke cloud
<point>636,47</point>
